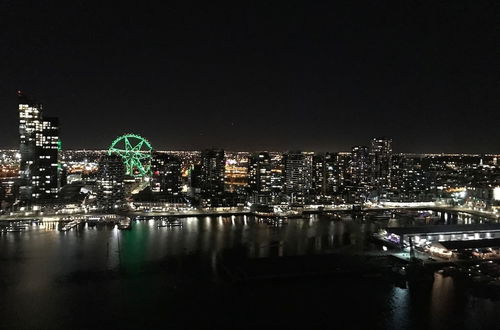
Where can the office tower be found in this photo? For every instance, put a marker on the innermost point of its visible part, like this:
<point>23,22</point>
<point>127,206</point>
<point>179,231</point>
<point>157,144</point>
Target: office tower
<point>166,174</point>
<point>212,172</point>
<point>360,165</point>
<point>259,173</point>
<point>381,151</point>
<point>39,148</point>
<point>110,182</point>
<point>298,175</point>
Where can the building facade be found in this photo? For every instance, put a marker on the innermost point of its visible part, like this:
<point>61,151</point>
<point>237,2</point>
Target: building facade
<point>319,175</point>
<point>166,174</point>
<point>360,165</point>
<point>298,175</point>
<point>259,173</point>
<point>211,177</point>
<point>381,162</point>
<point>39,149</point>
<point>110,183</point>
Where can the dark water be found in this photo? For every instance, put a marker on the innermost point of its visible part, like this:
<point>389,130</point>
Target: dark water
<point>153,277</point>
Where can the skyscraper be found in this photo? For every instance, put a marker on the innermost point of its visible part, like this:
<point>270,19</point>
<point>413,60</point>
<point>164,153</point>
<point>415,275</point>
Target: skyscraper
<point>298,175</point>
<point>110,182</point>
<point>166,174</point>
<point>381,152</point>
<point>39,148</point>
<point>259,173</point>
<point>49,160</point>
<point>360,165</point>
<point>336,166</point>
<point>212,172</point>
<point>319,174</point>
<point>260,178</point>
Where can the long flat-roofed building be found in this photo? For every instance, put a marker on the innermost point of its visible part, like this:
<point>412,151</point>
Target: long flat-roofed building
<point>442,233</point>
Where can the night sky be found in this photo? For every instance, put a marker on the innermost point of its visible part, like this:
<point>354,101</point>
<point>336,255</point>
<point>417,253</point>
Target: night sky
<point>257,75</point>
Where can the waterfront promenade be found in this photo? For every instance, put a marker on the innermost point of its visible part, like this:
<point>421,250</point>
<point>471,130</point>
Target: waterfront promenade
<point>246,211</point>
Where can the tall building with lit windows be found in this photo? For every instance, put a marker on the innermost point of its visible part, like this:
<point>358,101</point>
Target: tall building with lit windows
<point>381,162</point>
<point>49,164</point>
<point>260,178</point>
<point>110,183</point>
<point>213,164</point>
<point>336,166</point>
<point>39,149</point>
<point>166,174</point>
<point>298,175</point>
<point>209,177</point>
<point>319,174</point>
<point>360,165</point>
<point>259,173</point>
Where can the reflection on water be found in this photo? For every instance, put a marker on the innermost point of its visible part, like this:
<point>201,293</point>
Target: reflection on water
<point>399,306</point>
<point>48,252</point>
<point>452,307</point>
<point>49,275</point>
<point>442,298</point>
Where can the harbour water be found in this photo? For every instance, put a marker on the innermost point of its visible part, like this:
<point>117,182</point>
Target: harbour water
<point>160,277</point>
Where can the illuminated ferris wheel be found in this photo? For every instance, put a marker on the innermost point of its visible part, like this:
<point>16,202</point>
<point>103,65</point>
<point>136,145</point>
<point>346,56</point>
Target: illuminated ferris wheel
<point>135,152</point>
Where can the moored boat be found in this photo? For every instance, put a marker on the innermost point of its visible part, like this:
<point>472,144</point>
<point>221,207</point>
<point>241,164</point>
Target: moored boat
<point>125,224</point>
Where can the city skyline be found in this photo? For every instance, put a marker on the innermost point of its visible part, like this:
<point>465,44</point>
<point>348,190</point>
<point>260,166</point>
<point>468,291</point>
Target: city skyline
<point>181,164</point>
<point>320,77</point>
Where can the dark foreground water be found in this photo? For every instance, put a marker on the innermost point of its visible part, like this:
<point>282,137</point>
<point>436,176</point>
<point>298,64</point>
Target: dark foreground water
<point>153,277</point>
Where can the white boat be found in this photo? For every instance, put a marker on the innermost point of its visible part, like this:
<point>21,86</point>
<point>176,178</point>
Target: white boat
<point>125,224</point>
<point>16,229</point>
<point>289,214</point>
<point>69,225</point>
<point>174,222</point>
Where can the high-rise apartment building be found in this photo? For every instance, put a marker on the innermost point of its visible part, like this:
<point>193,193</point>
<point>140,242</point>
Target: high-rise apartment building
<point>212,172</point>
<point>336,168</point>
<point>298,175</point>
<point>49,159</point>
<point>259,172</point>
<point>39,149</point>
<point>110,182</point>
<point>166,174</point>
<point>319,174</point>
<point>260,178</point>
<point>360,165</point>
<point>381,152</point>
<point>277,172</point>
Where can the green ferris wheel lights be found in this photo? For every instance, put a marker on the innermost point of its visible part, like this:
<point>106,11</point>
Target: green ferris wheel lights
<point>135,152</point>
